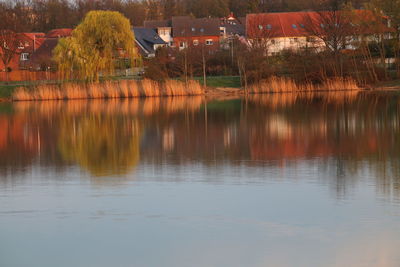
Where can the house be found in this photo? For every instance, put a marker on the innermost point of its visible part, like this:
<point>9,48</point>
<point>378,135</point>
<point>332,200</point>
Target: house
<point>148,41</point>
<point>194,32</point>
<point>185,31</point>
<point>297,30</point>
<point>163,29</point>
<point>41,58</point>
<point>231,28</point>
<point>27,44</point>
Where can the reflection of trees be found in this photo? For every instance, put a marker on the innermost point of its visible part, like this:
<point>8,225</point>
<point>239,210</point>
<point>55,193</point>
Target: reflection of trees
<point>103,144</point>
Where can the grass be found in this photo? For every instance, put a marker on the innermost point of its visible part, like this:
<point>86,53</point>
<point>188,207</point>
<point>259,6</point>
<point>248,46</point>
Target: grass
<point>392,84</point>
<point>221,81</point>
<point>6,91</point>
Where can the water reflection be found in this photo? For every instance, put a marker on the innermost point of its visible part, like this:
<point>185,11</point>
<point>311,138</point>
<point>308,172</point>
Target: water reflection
<point>343,135</point>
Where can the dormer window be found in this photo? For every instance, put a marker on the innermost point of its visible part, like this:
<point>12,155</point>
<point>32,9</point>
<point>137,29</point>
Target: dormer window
<point>302,26</point>
<point>294,26</point>
<point>260,27</point>
<point>322,25</point>
<point>193,29</point>
<point>268,27</point>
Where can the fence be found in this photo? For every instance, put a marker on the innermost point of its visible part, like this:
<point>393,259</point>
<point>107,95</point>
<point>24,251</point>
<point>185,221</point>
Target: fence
<point>26,75</point>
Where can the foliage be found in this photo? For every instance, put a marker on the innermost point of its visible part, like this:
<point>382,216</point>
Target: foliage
<point>95,45</point>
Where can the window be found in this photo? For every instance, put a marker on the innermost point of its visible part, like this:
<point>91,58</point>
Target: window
<point>294,26</point>
<point>24,56</point>
<point>268,27</point>
<point>260,27</point>
<point>302,26</point>
<point>322,25</point>
<point>293,40</point>
<point>195,42</point>
<point>209,42</point>
<point>193,29</point>
<point>273,42</point>
<point>182,44</point>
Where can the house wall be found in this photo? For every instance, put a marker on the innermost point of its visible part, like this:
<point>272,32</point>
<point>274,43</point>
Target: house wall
<point>14,63</point>
<point>201,40</point>
<point>165,33</point>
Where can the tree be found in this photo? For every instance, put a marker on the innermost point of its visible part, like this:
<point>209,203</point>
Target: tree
<point>95,45</point>
<point>10,25</point>
<point>391,8</point>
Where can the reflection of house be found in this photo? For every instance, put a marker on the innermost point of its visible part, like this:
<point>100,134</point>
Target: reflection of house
<point>148,41</point>
<point>295,30</point>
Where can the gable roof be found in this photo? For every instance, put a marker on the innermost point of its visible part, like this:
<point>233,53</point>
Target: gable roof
<point>59,33</point>
<point>147,38</point>
<point>157,23</point>
<point>187,26</point>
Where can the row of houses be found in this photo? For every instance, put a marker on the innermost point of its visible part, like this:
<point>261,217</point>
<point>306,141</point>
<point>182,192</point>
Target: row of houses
<point>35,50</point>
<point>278,31</point>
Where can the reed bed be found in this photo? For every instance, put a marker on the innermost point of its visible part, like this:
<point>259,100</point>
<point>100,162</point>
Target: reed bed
<point>108,89</point>
<point>287,85</point>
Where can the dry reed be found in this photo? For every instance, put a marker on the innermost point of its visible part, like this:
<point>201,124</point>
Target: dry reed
<point>287,85</point>
<point>108,89</point>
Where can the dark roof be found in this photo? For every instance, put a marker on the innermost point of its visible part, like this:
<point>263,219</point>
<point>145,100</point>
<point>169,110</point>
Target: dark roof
<point>243,21</point>
<point>157,23</point>
<point>233,27</point>
<point>45,52</point>
<point>187,26</point>
<point>147,38</point>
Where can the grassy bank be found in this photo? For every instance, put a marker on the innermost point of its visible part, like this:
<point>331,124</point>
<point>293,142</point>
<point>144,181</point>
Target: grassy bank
<point>221,81</point>
<point>217,86</point>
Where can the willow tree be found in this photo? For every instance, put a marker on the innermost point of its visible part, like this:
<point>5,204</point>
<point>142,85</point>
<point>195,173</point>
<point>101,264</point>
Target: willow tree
<point>95,45</point>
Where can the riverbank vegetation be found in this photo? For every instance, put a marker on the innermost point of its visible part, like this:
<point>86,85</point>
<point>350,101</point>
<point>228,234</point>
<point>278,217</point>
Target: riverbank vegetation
<point>107,89</point>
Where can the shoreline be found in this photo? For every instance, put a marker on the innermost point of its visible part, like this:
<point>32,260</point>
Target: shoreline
<point>223,92</point>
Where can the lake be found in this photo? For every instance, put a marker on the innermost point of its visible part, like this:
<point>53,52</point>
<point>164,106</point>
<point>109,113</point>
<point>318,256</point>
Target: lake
<point>270,180</point>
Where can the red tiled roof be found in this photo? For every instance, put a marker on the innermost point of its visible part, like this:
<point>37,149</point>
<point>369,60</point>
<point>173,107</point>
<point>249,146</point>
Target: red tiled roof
<point>59,33</point>
<point>298,24</point>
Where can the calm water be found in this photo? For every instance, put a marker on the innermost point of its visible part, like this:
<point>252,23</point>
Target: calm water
<point>272,181</point>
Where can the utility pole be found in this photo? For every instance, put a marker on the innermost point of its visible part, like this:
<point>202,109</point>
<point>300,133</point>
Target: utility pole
<point>203,58</point>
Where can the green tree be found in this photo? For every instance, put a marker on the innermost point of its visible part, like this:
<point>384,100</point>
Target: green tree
<point>95,45</point>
